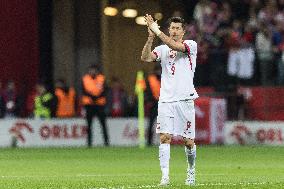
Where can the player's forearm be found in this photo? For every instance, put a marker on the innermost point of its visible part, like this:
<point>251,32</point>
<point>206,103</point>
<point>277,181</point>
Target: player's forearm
<point>146,52</point>
<point>171,43</point>
<point>178,46</point>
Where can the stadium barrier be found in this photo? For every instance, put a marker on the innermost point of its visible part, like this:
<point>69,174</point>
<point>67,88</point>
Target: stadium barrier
<point>66,132</point>
<point>210,119</point>
<point>254,132</point>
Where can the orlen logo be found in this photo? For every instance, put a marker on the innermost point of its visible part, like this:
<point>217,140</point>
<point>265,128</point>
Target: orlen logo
<point>130,132</point>
<point>241,132</point>
<point>18,128</point>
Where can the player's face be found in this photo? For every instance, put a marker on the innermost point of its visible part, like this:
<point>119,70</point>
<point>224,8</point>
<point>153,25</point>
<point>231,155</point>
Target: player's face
<point>176,31</point>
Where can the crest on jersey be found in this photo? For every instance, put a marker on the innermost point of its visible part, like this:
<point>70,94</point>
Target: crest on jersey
<point>172,53</point>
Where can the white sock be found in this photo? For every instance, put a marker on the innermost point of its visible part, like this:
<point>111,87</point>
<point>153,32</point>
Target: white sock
<point>191,155</point>
<point>164,157</point>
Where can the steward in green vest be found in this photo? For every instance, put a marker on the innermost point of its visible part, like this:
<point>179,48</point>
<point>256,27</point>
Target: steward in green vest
<point>44,103</point>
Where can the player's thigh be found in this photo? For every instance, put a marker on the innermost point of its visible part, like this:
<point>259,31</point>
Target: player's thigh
<point>165,120</point>
<point>185,119</point>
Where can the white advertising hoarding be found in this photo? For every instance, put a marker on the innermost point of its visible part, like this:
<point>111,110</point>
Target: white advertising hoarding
<point>254,132</point>
<point>67,132</point>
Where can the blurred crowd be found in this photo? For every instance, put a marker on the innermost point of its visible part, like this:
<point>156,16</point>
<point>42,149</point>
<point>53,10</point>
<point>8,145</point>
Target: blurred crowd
<point>239,43</point>
<point>62,102</point>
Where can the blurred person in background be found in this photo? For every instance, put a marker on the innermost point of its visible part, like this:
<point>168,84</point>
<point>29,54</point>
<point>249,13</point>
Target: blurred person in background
<point>241,55</point>
<point>44,103</point>
<point>30,102</point>
<point>263,45</point>
<point>11,100</point>
<point>132,109</point>
<point>277,46</point>
<point>217,59</point>
<point>224,15</point>
<point>152,97</point>
<point>201,9</point>
<point>247,58</point>
<point>280,64</point>
<point>116,99</point>
<point>267,13</point>
<point>2,103</point>
<point>94,101</point>
<point>201,78</point>
<point>234,56</point>
<point>66,97</point>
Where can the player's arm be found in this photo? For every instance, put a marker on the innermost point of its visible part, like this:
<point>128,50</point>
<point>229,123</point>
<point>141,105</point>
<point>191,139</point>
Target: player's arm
<point>147,55</point>
<point>178,46</point>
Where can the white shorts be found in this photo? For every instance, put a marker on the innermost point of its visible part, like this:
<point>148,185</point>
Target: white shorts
<point>176,118</point>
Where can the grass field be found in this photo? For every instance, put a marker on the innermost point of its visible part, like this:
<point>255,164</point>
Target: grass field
<point>123,168</point>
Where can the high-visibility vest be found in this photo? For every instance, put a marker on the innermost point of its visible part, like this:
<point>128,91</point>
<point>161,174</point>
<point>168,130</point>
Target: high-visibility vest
<point>93,87</point>
<point>66,102</point>
<point>40,110</point>
<point>155,85</point>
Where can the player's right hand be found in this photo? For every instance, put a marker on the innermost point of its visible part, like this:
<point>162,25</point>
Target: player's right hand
<point>152,25</point>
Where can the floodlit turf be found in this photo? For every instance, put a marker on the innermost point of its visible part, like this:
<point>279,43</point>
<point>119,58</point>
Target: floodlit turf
<point>82,168</point>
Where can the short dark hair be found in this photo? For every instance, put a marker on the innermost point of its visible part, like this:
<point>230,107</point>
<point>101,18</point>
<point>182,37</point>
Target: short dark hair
<point>176,20</point>
<point>61,80</point>
<point>94,66</point>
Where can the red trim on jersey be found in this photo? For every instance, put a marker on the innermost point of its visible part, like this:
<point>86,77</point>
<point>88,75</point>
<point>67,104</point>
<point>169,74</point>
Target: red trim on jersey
<point>156,55</point>
<point>188,54</point>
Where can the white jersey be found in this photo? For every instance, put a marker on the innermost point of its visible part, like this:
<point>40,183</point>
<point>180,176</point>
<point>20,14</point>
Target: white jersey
<point>177,72</point>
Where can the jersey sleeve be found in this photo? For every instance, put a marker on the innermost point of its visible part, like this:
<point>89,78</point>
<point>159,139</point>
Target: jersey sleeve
<point>191,51</point>
<point>158,52</point>
<point>191,47</point>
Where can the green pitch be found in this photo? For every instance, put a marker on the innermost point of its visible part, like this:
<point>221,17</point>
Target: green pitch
<point>132,168</point>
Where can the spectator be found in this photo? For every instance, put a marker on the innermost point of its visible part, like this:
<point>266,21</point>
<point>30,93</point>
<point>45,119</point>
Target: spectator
<point>252,21</point>
<point>201,78</point>
<point>152,98</point>
<point>30,102</point>
<point>191,31</point>
<point>116,99</point>
<point>2,103</point>
<point>201,9</point>
<point>278,50</point>
<point>66,97</point>
<point>280,73</point>
<point>132,110</point>
<point>210,22</point>
<point>11,100</point>
<point>268,12</point>
<point>247,56</point>
<point>263,46</point>
<point>217,59</point>
<point>235,50</point>
<point>225,15</point>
